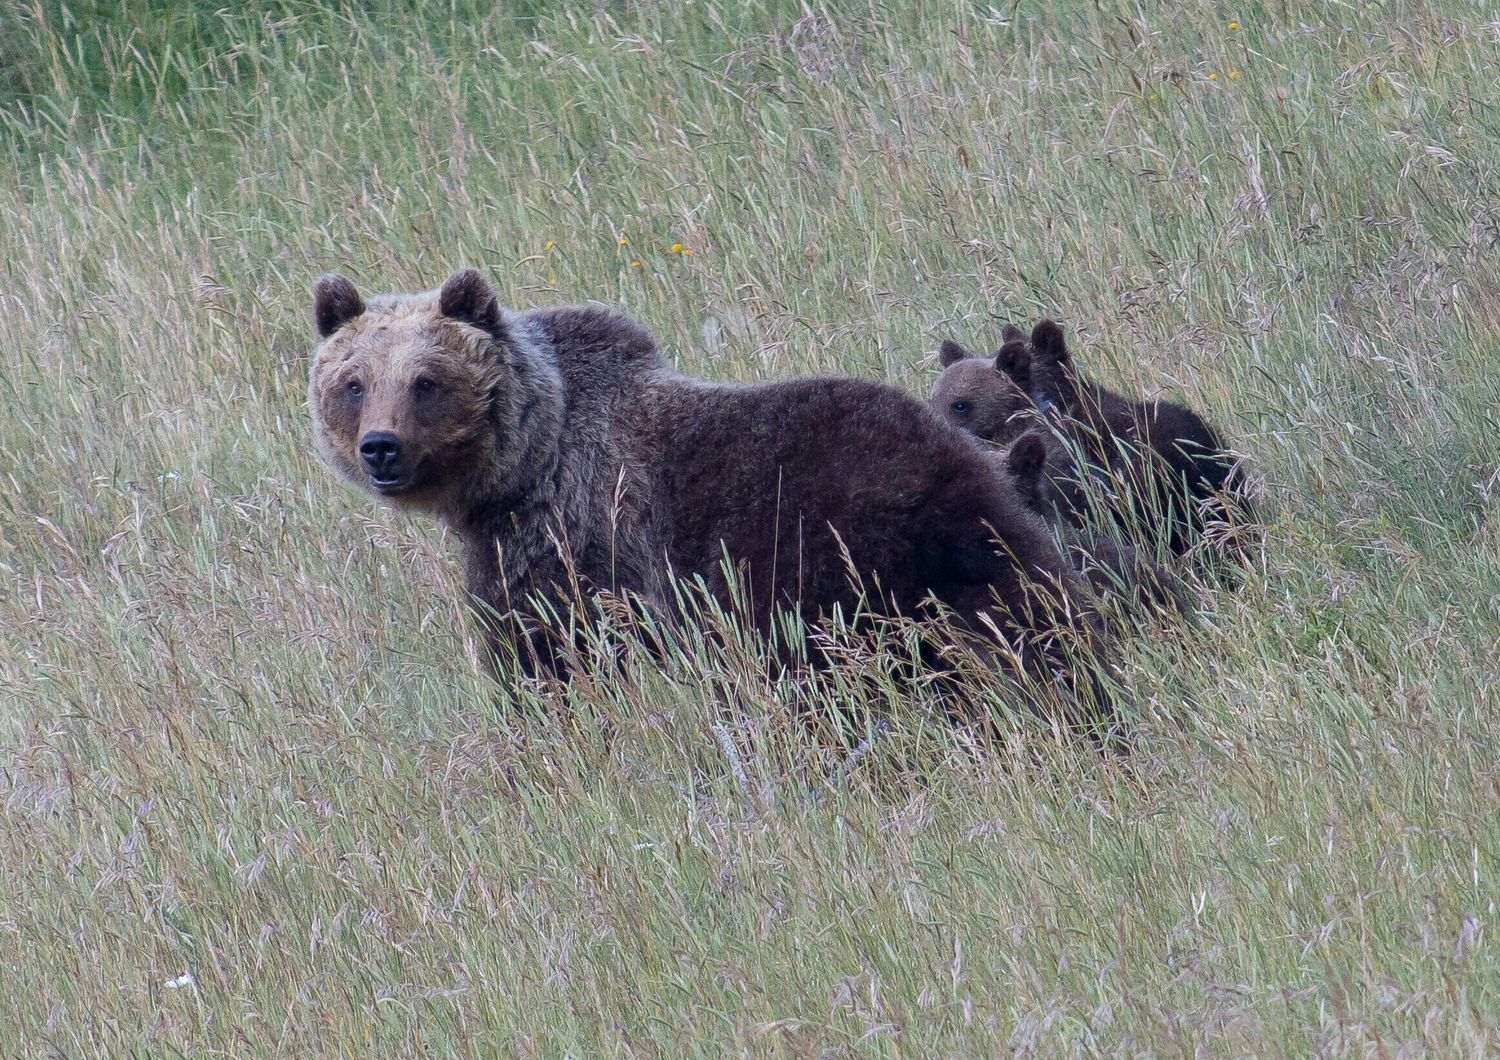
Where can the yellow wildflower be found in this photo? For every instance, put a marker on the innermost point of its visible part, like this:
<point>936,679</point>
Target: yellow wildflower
<point>1213,77</point>
<point>624,242</point>
<point>1234,75</point>
<point>635,264</point>
<point>676,248</point>
<point>549,245</point>
<point>1234,25</point>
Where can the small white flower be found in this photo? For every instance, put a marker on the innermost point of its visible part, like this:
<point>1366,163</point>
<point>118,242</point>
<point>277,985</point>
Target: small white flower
<point>185,979</point>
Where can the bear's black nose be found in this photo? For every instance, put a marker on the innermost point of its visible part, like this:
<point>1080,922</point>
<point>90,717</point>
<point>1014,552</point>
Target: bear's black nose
<point>380,451</point>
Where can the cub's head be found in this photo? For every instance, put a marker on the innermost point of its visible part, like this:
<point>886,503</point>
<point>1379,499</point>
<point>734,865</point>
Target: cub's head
<point>987,396</point>
<point>1024,461</point>
<point>412,395</point>
<point>1046,477</point>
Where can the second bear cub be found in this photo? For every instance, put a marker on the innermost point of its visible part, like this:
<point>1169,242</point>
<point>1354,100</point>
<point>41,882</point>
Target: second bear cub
<point>1044,475</point>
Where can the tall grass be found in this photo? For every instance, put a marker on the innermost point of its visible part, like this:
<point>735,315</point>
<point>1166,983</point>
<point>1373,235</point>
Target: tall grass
<point>242,735</point>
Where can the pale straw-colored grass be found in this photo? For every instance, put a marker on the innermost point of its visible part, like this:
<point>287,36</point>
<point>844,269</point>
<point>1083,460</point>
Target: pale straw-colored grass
<point>242,737</point>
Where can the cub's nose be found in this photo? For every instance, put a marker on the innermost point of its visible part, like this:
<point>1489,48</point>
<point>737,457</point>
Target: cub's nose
<point>380,450</point>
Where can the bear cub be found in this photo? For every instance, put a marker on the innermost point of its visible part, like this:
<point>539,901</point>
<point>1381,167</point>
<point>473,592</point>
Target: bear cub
<point>572,461</point>
<point>1165,471</point>
<point>1043,473</point>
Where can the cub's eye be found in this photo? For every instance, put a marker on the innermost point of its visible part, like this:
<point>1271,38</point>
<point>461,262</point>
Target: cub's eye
<point>424,387</point>
<point>960,407</point>
<point>355,388</point>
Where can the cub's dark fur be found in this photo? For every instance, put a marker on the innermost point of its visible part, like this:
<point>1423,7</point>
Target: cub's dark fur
<point>1045,476</point>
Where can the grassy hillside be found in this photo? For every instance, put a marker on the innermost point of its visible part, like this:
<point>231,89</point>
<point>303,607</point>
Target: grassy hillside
<point>242,734</point>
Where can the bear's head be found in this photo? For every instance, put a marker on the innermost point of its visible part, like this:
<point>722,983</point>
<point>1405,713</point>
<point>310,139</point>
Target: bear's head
<point>987,396</point>
<point>419,398</point>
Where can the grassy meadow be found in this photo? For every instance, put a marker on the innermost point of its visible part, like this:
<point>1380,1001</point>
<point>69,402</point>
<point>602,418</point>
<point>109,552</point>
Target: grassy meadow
<point>259,798</point>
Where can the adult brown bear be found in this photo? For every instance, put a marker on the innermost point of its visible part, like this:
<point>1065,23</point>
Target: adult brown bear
<point>571,460</point>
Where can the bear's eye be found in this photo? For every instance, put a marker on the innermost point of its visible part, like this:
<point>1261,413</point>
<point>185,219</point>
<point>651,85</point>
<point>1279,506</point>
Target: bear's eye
<point>960,407</point>
<point>355,388</point>
<point>424,387</point>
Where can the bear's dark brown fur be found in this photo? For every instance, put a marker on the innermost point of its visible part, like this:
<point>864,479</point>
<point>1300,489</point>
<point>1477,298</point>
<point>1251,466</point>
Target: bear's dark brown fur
<point>571,460</point>
<point>1167,467</point>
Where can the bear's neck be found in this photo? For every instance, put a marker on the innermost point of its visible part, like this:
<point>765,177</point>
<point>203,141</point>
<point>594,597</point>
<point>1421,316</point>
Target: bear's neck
<point>512,513</point>
<point>564,480</point>
<point>1059,383</point>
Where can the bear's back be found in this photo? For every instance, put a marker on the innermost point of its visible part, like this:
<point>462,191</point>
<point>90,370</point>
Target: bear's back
<point>797,481</point>
<point>596,346</point>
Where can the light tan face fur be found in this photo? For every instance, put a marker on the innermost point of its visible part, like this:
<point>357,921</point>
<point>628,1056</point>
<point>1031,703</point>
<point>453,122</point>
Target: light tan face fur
<point>977,397</point>
<point>400,372</point>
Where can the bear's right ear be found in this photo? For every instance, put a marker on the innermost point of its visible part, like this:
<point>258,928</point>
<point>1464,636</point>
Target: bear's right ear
<point>950,353</point>
<point>1012,334</point>
<point>1047,339</point>
<point>335,303</point>
<point>468,297</point>
<point>1014,360</point>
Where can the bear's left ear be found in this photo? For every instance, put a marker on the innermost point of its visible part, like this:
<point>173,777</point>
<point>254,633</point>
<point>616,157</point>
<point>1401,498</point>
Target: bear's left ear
<point>1012,333</point>
<point>1047,340</point>
<point>1014,360</point>
<point>468,297</point>
<point>335,303</point>
<point>950,353</point>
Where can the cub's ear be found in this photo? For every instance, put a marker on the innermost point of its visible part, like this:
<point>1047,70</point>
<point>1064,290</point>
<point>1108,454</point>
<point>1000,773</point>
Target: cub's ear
<point>468,297</point>
<point>1023,462</point>
<point>1014,360</point>
<point>1012,334</point>
<point>335,303</point>
<point>1026,455</point>
<point>1047,340</point>
<point>950,353</point>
